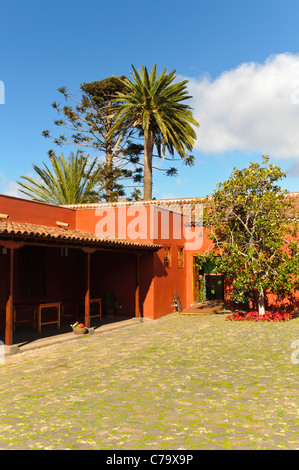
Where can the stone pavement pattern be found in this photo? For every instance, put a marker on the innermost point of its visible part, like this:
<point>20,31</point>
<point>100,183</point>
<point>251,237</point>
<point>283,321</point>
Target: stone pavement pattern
<point>181,382</point>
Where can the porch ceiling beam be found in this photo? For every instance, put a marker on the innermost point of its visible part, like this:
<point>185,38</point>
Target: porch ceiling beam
<point>11,244</point>
<point>88,250</point>
<point>59,244</point>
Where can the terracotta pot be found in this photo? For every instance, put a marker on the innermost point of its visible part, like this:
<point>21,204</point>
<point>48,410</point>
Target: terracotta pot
<point>80,331</point>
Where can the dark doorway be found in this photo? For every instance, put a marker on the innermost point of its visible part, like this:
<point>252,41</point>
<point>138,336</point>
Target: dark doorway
<point>198,283</point>
<point>214,287</point>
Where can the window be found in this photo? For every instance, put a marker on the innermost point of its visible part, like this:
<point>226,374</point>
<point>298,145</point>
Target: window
<point>180,257</point>
<point>64,252</point>
<point>167,257</point>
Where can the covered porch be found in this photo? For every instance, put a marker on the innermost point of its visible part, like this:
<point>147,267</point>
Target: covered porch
<point>51,277</point>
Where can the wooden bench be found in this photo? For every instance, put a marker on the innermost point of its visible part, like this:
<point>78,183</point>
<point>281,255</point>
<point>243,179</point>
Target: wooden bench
<point>41,307</point>
<point>78,304</point>
<point>36,318</point>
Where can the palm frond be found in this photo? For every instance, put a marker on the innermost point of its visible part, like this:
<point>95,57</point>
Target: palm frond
<point>72,180</point>
<point>156,105</point>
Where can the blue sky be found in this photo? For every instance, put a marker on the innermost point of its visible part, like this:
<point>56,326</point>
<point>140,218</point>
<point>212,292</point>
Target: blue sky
<point>241,58</point>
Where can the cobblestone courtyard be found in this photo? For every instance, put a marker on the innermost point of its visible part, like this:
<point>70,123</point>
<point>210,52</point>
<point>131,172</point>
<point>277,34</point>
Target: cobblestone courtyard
<point>181,382</point>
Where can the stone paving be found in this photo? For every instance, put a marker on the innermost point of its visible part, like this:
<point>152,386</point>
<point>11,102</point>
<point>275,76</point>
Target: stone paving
<point>181,382</point>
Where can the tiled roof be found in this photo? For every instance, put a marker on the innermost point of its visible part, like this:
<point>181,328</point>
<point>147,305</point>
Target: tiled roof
<point>172,204</point>
<point>159,202</point>
<point>41,233</point>
<point>185,206</point>
<point>182,206</point>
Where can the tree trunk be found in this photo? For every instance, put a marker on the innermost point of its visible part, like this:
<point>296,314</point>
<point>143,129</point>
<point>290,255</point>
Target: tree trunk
<point>109,173</point>
<point>261,302</point>
<point>109,161</point>
<point>148,157</point>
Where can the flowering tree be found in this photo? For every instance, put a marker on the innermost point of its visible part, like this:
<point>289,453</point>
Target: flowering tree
<point>253,225</point>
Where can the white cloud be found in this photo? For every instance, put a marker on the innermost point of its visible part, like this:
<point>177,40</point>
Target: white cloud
<point>9,188</point>
<point>294,170</point>
<point>252,108</point>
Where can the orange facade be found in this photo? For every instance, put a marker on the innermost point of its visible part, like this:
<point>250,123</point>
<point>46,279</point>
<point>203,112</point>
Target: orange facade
<point>169,269</point>
<point>142,252</point>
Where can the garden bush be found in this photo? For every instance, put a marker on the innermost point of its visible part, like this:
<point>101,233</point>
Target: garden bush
<point>254,316</point>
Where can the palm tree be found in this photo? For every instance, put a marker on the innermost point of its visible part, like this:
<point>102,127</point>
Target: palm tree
<point>72,180</point>
<point>154,105</point>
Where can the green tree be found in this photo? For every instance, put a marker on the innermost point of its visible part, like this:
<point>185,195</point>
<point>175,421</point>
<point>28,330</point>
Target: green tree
<point>154,105</point>
<point>86,122</point>
<point>71,180</point>
<point>253,226</point>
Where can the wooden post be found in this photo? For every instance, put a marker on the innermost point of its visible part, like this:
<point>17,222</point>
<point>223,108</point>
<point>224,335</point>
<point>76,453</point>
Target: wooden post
<point>87,293</point>
<point>12,246</point>
<point>88,252</point>
<point>9,303</point>
<point>137,298</point>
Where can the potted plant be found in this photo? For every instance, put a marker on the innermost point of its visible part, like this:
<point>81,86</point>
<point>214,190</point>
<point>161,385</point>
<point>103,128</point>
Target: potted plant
<point>79,328</point>
<point>111,303</point>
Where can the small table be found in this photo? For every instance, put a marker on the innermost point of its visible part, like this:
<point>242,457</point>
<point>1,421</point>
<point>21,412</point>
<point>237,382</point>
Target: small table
<point>40,307</point>
<point>99,302</point>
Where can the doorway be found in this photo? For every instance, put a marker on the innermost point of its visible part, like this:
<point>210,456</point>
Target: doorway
<point>206,284</point>
<point>214,286</point>
<point>198,284</point>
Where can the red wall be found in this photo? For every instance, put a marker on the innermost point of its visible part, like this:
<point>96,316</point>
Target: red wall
<point>30,212</point>
<point>150,224</point>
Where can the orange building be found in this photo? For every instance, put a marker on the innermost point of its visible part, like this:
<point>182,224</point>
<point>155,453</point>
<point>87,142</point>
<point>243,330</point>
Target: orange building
<point>58,262</point>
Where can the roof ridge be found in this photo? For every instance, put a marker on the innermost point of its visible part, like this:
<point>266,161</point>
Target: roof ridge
<point>126,203</point>
<point>94,205</point>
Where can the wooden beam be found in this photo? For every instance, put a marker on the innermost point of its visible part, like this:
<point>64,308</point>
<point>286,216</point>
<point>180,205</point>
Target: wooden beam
<point>87,293</point>
<point>137,293</point>
<point>9,303</point>
<point>11,244</point>
<point>62,244</point>
<point>88,250</point>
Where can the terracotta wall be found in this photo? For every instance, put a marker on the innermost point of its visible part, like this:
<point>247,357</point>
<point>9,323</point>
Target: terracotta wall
<point>66,275</point>
<point>149,224</point>
<point>30,212</point>
<point>114,273</point>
